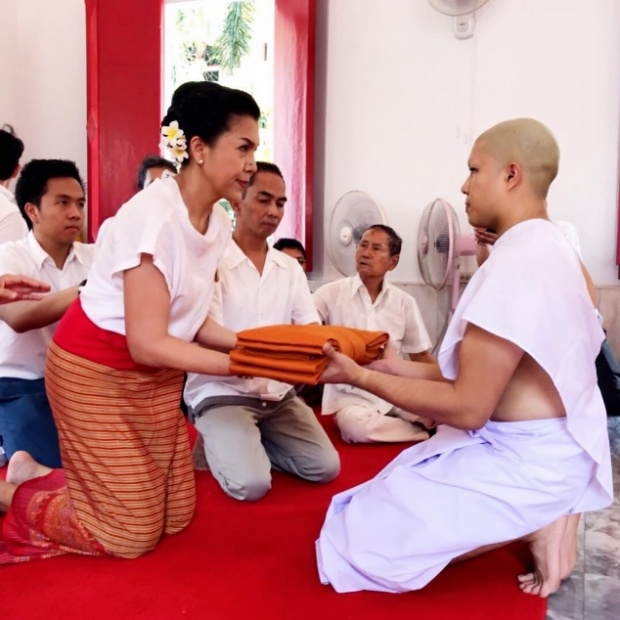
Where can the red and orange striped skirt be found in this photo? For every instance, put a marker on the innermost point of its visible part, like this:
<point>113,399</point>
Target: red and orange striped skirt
<point>127,476</point>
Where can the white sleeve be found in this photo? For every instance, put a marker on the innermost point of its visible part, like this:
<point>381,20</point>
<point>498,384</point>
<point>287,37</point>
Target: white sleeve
<point>321,299</point>
<point>304,310</point>
<point>416,338</point>
<point>138,232</point>
<point>570,232</point>
<point>13,227</point>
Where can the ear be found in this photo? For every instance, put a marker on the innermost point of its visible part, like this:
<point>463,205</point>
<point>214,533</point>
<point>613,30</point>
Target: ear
<point>393,262</point>
<point>32,211</point>
<point>197,149</point>
<point>16,171</point>
<point>514,174</point>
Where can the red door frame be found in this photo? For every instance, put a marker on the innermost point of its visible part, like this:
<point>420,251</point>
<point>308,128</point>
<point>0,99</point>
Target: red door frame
<point>123,77</point>
<point>295,44</point>
<point>124,85</point>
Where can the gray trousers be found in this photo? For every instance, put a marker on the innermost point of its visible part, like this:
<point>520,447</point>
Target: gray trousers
<point>244,442</point>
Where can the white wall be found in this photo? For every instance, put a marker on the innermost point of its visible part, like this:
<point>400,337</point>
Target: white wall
<point>43,57</point>
<point>400,101</point>
<point>7,65</point>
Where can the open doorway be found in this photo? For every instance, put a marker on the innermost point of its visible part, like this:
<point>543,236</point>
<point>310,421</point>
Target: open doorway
<point>125,99</point>
<point>230,42</point>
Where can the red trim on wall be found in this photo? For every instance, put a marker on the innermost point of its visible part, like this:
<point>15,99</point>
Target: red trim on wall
<point>124,78</point>
<point>294,58</point>
<point>123,59</point>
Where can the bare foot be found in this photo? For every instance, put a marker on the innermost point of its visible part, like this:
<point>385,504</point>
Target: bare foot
<point>199,460</point>
<point>546,547</point>
<point>568,554</point>
<point>23,467</point>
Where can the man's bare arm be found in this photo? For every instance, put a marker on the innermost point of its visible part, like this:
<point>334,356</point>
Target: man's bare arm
<point>23,316</point>
<point>486,365</point>
<point>419,366</point>
<point>424,357</point>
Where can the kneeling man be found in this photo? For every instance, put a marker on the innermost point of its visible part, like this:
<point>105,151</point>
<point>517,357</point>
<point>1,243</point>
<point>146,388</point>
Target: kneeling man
<point>50,195</point>
<point>522,446</point>
<point>250,426</point>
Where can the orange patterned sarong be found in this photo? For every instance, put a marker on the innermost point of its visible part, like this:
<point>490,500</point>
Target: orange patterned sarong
<point>294,353</point>
<point>127,476</point>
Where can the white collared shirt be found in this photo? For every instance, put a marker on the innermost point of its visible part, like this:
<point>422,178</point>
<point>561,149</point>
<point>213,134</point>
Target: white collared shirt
<point>12,224</point>
<point>347,302</point>
<point>22,356</point>
<point>245,299</point>
<point>156,222</point>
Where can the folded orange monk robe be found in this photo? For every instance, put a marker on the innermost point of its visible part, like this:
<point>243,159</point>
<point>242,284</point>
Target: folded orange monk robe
<point>294,353</point>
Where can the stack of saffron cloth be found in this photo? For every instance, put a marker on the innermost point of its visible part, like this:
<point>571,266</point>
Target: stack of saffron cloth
<point>294,353</point>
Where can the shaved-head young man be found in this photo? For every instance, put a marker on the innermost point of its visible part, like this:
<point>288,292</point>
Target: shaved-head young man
<point>522,446</point>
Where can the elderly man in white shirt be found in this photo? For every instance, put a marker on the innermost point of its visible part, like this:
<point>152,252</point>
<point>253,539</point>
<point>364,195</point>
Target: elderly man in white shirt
<point>251,425</point>
<point>368,301</point>
<point>50,194</point>
<point>12,224</point>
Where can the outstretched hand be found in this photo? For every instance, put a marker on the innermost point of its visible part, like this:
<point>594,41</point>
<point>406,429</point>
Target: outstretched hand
<point>387,362</point>
<point>17,288</point>
<point>340,369</point>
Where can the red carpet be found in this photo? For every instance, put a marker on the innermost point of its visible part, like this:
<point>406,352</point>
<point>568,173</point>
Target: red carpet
<point>256,561</point>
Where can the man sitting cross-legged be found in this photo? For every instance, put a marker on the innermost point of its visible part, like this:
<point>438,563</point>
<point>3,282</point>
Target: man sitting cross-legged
<point>250,426</point>
<point>368,301</point>
<point>522,447</point>
<point>50,195</point>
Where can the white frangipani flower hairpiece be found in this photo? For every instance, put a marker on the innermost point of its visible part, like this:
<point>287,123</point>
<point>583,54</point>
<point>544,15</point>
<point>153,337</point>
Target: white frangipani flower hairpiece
<point>173,138</point>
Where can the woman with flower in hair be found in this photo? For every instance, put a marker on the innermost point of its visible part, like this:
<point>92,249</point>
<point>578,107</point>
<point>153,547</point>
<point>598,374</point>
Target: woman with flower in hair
<point>115,369</point>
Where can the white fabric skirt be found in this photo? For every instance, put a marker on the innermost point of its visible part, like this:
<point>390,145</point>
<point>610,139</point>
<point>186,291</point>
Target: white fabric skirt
<point>454,493</point>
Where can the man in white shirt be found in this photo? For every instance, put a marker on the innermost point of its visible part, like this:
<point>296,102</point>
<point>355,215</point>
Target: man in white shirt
<point>12,224</point>
<point>50,195</point>
<point>368,301</point>
<point>252,425</point>
<point>152,168</point>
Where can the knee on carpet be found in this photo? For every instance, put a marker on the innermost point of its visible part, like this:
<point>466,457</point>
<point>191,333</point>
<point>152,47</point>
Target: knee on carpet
<point>247,488</point>
<point>323,469</point>
<point>134,550</point>
<point>354,428</point>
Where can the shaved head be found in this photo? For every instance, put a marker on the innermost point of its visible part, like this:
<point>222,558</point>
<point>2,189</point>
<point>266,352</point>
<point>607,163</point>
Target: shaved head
<point>528,143</point>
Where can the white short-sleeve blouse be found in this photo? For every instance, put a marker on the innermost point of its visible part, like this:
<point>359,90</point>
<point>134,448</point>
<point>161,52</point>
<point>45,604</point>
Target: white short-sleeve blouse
<point>156,222</point>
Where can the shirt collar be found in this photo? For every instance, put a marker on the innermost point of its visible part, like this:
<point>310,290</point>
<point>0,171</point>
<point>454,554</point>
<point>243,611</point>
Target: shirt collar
<point>40,255</point>
<point>280,258</point>
<point>357,284</point>
<point>234,256</point>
